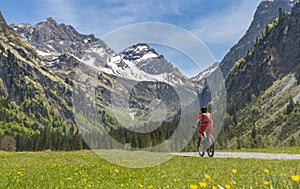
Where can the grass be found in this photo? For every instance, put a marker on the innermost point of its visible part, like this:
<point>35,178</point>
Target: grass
<point>84,169</point>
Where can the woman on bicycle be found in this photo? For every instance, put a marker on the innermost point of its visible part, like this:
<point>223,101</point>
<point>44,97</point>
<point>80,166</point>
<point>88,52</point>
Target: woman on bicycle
<point>206,122</point>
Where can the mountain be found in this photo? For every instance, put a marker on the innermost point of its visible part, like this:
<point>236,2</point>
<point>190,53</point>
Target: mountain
<point>256,87</point>
<point>147,60</point>
<point>138,62</point>
<point>266,12</point>
<point>200,78</point>
<point>52,39</point>
<point>274,56</point>
<point>33,98</point>
<point>142,63</point>
<point>38,98</point>
<point>263,88</point>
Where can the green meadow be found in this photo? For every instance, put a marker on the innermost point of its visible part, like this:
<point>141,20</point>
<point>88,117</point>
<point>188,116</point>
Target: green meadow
<point>85,169</point>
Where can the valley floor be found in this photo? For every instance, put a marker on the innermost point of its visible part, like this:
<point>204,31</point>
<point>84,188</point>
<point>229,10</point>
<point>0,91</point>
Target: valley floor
<point>84,169</point>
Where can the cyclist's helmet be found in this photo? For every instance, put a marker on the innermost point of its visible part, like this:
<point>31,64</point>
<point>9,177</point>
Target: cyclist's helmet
<point>204,109</point>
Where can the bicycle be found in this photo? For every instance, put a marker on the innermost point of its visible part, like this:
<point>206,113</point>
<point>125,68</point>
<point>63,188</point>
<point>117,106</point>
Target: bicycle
<point>206,144</point>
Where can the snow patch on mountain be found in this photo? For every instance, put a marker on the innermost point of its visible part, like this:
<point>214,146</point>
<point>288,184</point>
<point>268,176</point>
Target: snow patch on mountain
<point>200,78</point>
<point>41,53</point>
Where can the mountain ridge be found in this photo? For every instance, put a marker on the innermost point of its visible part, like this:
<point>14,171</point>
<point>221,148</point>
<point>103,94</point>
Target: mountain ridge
<point>49,37</point>
<point>96,53</point>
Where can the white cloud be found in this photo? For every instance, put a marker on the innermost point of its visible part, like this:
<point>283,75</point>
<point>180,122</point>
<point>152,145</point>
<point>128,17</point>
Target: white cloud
<point>228,25</point>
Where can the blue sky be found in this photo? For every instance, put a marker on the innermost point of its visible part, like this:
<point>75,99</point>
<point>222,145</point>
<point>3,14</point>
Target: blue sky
<point>218,23</point>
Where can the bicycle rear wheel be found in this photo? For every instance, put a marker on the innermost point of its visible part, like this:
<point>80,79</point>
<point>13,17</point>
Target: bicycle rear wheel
<point>211,149</point>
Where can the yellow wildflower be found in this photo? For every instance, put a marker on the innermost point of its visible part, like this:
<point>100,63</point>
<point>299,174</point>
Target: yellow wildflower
<point>116,171</point>
<point>267,183</point>
<point>20,174</point>
<point>207,176</point>
<point>234,182</point>
<point>202,184</point>
<point>150,187</point>
<point>295,178</point>
<point>193,186</point>
<point>266,170</point>
<point>227,186</point>
<point>214,187</point>
<point>233,171</point>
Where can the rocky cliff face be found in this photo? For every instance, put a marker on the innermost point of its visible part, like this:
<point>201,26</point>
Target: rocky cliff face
<point>266,12</point>
<point>263,87</point>
<point>273,57</point>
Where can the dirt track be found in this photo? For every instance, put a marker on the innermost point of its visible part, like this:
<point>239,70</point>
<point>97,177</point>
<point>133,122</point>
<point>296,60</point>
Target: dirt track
<point>245,155</point>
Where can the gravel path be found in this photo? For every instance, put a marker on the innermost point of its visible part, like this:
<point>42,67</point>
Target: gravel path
<point>245,155</point>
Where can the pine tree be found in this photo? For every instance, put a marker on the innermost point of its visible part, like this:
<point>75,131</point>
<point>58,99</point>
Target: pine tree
<point>78,142</point>
<point>161,136</point>
<point>8,143</point>
<point>134,140</point>
<point>290,107</point>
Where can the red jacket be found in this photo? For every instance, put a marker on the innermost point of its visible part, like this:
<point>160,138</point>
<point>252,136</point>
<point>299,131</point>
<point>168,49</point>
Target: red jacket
<point>206,123</point>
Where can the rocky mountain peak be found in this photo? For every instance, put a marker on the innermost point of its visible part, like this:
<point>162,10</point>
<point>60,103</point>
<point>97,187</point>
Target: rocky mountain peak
<point>53,39</point>
<point>2,20</point>
<point>3,23</point>
<point>147,59</point>
<point>138,51</point>
<point>50,20</point>
<point>49,24</point>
